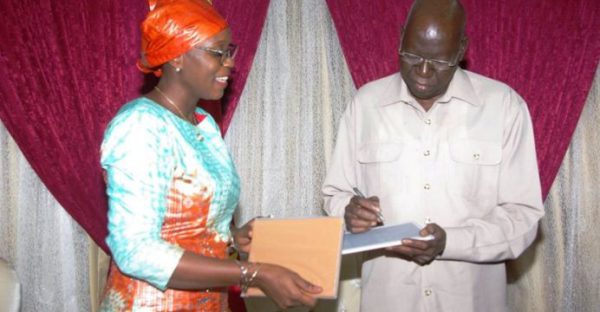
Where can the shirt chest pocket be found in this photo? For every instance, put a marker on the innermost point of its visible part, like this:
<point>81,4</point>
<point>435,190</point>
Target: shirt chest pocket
<point>379,166</point>
<point>473,168</point>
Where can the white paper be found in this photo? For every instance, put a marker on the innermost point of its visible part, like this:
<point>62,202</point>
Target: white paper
<point>380,237</point>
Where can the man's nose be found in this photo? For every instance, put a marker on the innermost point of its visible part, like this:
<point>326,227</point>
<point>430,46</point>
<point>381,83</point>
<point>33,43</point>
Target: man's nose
<point>424,69</point>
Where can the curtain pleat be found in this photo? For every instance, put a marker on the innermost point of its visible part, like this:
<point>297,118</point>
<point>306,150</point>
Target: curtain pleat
<point>67,66</point>
<point>39,239</point>
<point>284,127</point>
<point>560,271</point>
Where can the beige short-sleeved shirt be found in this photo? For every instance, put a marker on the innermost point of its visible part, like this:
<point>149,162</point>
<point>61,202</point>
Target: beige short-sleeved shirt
<point>467,164</point>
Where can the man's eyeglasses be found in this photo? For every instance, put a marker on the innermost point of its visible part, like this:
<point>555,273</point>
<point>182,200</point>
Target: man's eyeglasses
<point>228,53</point>
<point>413,59</point>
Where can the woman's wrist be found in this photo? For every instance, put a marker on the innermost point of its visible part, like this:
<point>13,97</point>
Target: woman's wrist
<point>248,274</point>
<point>233,241</point>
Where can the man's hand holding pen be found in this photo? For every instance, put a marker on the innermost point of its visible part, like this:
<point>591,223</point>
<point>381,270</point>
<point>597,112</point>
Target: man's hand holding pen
<point>362,213</point>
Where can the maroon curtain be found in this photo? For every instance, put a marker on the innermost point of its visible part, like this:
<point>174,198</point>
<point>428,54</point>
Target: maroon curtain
<point>67,66</point>
<point>546,50</point>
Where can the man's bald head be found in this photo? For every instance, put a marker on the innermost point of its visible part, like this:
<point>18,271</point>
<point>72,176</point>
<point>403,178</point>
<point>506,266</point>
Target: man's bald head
<point>445,15</point>
<point>434,31</point>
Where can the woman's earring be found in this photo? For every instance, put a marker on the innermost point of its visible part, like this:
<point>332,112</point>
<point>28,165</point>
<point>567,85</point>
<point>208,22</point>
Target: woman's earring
<point>177,69</point>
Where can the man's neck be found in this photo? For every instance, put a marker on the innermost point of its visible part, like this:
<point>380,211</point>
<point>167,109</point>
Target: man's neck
<point>427,104</point>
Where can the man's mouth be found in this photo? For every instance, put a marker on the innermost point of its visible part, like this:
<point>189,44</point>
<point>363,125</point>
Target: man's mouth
<point>421,86</point>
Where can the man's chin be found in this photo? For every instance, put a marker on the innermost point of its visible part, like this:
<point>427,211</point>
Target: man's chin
<point>420,95</point>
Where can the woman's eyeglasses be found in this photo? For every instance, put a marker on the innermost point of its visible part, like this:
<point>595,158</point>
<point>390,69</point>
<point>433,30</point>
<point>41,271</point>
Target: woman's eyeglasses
<point>228,53</point>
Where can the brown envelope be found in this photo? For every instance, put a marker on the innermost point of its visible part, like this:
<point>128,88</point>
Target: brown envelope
<point>309,246</point>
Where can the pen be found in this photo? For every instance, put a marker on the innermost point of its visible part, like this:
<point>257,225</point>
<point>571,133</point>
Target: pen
<point>360,194</point>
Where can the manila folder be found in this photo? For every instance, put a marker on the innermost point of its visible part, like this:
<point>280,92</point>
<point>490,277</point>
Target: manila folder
<point>310,247</point>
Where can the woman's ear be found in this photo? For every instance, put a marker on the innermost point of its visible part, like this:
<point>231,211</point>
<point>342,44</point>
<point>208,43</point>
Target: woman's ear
<point>176,63</point>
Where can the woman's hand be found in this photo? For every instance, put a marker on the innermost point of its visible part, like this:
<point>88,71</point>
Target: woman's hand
<point>286,288</point>
<point>242,237</point>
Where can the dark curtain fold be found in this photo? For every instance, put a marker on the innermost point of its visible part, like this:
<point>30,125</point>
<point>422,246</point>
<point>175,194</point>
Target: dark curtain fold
<point>546,50</point>
<point>67,67</point>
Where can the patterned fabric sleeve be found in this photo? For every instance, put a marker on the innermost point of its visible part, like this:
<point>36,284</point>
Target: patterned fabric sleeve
<point>138,158</point>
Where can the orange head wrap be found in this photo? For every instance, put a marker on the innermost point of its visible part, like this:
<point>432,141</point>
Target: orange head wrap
<point>173,27</point>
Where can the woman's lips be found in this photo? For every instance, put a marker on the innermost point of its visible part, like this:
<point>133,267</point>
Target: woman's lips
<point>222,80</point>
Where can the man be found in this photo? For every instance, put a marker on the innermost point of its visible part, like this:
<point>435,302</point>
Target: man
<point>445,148</point>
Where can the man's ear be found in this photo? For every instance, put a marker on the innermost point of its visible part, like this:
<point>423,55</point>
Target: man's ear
<point>401,31</point>
<point>401,36</point>
<point>464,43</point>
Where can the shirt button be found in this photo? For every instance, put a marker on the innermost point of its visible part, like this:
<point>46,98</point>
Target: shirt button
<point>426,153</point>
<point>476,156</point>
<point>427,121</point>
<point>428,292</point>
<point>427,186</point>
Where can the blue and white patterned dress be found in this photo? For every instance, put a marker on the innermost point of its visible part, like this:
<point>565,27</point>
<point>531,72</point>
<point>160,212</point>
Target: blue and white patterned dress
<point>172,186</point>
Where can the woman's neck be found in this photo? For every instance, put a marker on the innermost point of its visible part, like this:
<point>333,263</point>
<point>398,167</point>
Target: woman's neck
<point>176,103</point>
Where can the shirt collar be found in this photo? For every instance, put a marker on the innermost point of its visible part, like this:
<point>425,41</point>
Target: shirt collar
<point>396,91</point>
<point>460,87</point>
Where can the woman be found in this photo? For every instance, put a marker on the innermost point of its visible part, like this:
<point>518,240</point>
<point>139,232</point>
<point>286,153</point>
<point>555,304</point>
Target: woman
<point>171,183</point>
